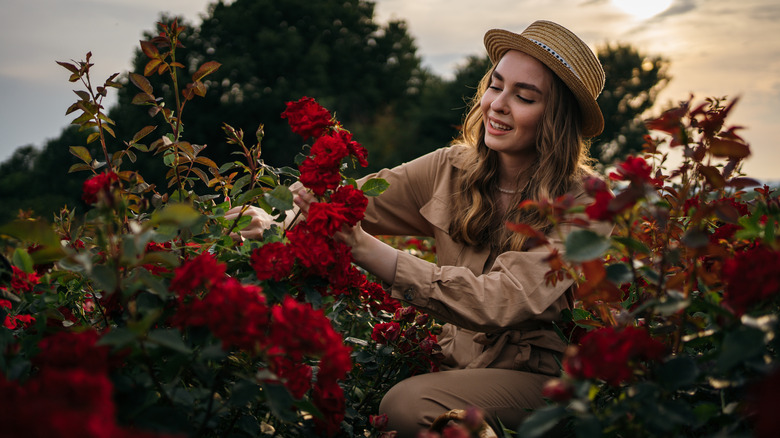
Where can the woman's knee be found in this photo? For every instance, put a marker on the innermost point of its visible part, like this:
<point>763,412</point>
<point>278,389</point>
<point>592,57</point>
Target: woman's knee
<point>409,407</point>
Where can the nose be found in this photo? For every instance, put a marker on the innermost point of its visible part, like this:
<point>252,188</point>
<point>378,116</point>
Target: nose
<point>499,104</point>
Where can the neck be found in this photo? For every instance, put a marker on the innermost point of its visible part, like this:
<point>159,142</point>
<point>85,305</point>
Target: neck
<point>513,166</point>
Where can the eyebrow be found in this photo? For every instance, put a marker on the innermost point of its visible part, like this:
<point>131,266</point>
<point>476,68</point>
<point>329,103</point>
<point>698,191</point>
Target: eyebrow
<point>521,85</point>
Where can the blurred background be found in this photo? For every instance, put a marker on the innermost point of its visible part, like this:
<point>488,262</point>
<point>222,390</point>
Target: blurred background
<point>397,73</point>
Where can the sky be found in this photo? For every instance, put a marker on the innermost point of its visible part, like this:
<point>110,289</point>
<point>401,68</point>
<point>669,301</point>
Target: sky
<point>715,48</point>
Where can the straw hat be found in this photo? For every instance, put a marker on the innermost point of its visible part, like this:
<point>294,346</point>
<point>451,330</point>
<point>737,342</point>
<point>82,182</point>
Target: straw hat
<point>566,55</point>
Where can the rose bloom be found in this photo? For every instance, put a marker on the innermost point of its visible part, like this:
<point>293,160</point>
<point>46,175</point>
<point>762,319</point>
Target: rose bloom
<point>610,354</point>
<point>751,277</point>
<point>318,179</point>
<point>307,118</point>
<point>355,149</point>
<point>329,399</point>
<point>100,183</point>
<point>328,151</point>
<point>599,210</point>
<point>273,260</point>
<point>386,332</point>
<point>636,170</point>
<point>203,270</point>
<point>22,282</point>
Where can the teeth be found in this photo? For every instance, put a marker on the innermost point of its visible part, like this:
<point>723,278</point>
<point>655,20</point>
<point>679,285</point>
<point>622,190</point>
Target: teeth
<point>499,126</point>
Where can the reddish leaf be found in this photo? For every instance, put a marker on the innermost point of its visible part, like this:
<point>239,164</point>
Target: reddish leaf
<point>143,133</point>
<point>713,176</point>
<point>205,69</point>
<point>71,68</point>
<point>150,50</point>
<point>151,66</point>
<point>142,83</point>
<point>741,183</point>
<point>142,98</point>
<point>729,148</point>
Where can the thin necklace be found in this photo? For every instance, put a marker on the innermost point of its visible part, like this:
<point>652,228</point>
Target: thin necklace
<point>508,192</point>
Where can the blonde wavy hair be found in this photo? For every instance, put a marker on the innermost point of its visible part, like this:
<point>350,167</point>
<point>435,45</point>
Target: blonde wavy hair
<point>562,161</point>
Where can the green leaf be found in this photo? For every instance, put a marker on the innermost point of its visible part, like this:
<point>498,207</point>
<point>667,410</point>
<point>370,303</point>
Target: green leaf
<point>170,338</point>
<point>585,245</point>
<point>280,198</point>
<point>541,421</point>
<point>36,231</point>
<point>695,238</point>
<point>280,401</point>
<point>739,346</point>
<point>82,153</point>
<point>180,215</point>
<point>633,244</point>
<point>22,260</point>
<point>118,337</point>
<point>374,187</point>
<point>105,277</point>
<point>619,273</point>
<point>678,372</point>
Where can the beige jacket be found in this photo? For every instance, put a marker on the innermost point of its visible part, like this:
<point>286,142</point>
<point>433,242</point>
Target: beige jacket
<point>497,307</point>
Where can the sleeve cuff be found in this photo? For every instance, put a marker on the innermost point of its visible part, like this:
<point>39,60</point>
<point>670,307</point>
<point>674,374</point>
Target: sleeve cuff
<point>413,279</point>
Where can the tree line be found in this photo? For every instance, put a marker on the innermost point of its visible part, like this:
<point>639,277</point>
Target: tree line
<point>369,74</point>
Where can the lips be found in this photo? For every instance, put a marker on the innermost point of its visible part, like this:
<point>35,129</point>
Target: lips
<point>500,126</point>
<point>496,127</point>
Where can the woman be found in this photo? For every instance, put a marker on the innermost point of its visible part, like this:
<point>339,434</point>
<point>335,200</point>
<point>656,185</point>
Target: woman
<point>522,139</point>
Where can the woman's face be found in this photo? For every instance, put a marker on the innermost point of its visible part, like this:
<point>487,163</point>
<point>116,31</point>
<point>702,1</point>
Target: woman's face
<point>513,104</point>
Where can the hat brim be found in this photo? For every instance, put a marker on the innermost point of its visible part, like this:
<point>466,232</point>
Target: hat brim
<point>499,41</point>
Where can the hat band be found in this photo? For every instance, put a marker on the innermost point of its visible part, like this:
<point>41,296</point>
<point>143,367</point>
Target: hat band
<point>556,55</point>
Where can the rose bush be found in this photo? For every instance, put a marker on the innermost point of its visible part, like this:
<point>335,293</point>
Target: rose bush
<point>147,315</point>
<point>675,331</point>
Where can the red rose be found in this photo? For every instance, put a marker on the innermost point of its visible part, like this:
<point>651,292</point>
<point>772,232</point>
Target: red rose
<point>379,422</point>
<point>636,170</point>
<point>329,399</point>
<point>353,201</point>
<point>610,354</point>
<point>354,148</point>
<point>558,390</point>
<point>751,277</point>
<point>296,376</point>
<point>599,210</point>
<point>328,151</point>
<point>72,350</point>
<point>318,179</point>
<point>97,184</point>
<point>22,282</point>
<point>203,270</point>
<point>386,332</point>
<point>307,118</point>
<point>272,260</point>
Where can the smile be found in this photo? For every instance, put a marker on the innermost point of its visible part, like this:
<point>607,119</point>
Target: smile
<point>500,126</point>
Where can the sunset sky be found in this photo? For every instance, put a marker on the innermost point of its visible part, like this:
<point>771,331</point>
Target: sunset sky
<point>716,48</point>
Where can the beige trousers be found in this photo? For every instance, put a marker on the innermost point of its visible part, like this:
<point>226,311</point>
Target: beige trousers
<point>414,403</point>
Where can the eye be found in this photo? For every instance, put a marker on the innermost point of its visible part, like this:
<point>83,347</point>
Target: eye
<point>494,88</point>
<point>525,100</point>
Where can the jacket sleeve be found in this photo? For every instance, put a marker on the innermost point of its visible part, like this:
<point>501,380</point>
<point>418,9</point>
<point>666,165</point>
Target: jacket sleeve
<point>397,210</point>
<point>510,295</point>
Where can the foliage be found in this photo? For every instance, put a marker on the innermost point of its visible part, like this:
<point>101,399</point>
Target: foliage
<point>148,316</point>
<point>676,329</point>
<point>633,81</point>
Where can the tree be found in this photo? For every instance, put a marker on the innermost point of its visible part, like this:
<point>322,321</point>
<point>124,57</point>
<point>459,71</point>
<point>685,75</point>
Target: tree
<point>633,81</point>
<point>274,52</point>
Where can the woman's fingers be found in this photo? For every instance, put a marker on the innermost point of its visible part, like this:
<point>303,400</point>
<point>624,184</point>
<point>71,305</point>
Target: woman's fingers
<point>258,223</point>
<point>303,199</point>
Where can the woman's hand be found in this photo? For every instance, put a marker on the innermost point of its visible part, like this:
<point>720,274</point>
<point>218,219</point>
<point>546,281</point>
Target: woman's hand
<point>260,221</point>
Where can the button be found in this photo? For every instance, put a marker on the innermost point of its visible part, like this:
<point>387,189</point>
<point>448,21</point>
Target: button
<point>409,294</point>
